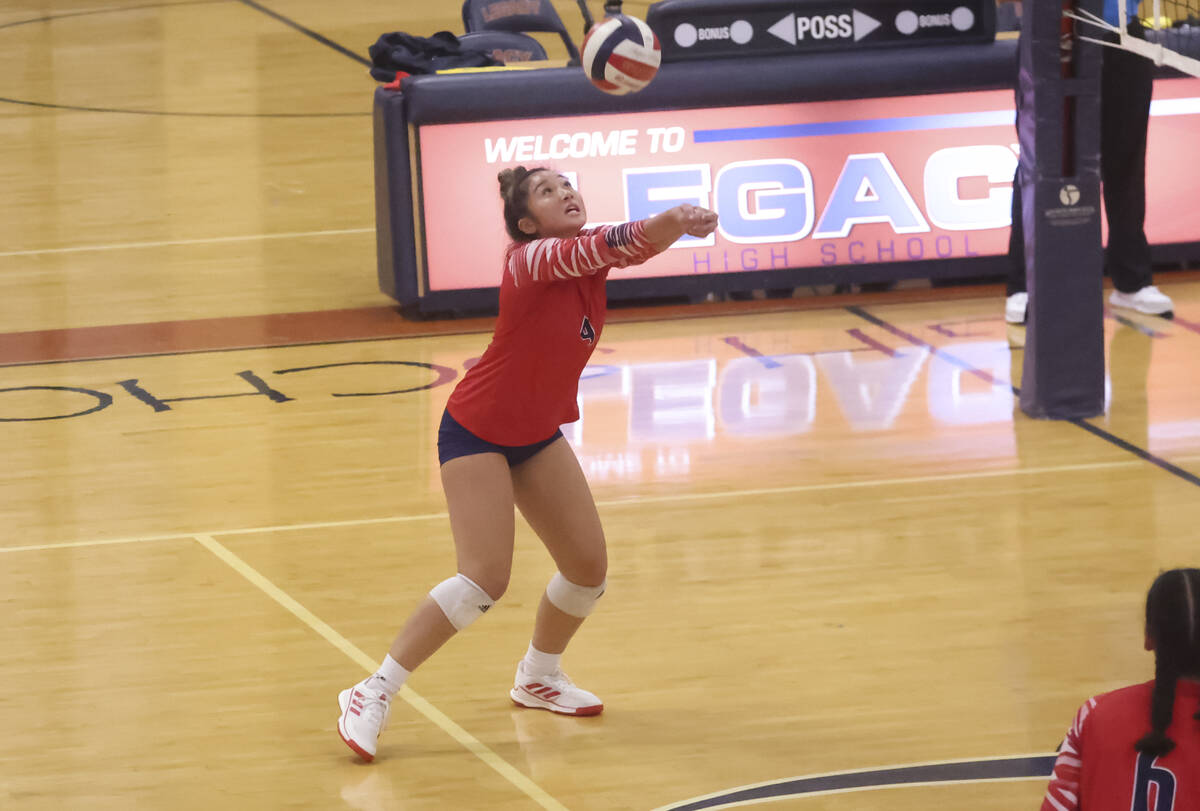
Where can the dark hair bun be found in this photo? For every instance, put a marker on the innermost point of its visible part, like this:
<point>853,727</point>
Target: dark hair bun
<point>510,180</point>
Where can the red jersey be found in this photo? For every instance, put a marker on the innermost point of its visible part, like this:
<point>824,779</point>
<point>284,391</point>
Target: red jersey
<point>552,309</point>
<point>1099,770</point>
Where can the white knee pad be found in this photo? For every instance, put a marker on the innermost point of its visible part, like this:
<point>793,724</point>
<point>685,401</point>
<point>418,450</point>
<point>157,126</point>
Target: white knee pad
<point>578,601</point>
<point>461,600</point>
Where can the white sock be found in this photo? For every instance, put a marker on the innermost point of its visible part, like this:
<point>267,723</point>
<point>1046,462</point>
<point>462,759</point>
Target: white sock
<point>541,664</point>
<point>391,675</point>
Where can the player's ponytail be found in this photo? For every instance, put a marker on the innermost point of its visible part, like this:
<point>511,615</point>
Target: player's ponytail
<point>1162,707</point>
<point>1173,623</point>
<point>514,190</point>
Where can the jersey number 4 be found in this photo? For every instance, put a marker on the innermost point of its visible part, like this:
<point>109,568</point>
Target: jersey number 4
<point>586,333</point>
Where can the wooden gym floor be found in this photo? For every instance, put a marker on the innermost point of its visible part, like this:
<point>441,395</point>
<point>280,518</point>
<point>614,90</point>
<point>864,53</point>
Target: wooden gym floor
<point>838,548</point>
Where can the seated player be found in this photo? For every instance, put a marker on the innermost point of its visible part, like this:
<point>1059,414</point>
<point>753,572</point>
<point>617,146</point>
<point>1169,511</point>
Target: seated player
<point>1139,747</point>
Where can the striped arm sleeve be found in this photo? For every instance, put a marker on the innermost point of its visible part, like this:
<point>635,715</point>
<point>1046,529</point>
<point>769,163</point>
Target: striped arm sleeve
<point>554,259</point>
<point>1063,792</point>
<point>630,240</point>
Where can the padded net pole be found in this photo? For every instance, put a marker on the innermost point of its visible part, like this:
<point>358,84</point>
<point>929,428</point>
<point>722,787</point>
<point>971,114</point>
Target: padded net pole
<point>1059,130</point>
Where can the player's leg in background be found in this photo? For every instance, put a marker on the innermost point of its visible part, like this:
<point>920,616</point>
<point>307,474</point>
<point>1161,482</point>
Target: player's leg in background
<point>1016,298</point>
<point>1126,84</point>
<point>1016,242</point>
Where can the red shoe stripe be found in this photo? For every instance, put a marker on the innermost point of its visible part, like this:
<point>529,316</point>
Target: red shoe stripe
<point>594,709</point>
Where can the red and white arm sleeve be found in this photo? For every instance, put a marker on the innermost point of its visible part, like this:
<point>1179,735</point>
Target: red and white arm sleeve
<point>554,259</point>
<point>1063,792</point>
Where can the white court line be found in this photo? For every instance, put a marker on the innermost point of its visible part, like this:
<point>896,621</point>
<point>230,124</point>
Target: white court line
<point>120,246</point>
<point>391,519</point>
<point>41,547</point>
<point>620,502</point>
<point>807,488</point>
<point>440,719</point>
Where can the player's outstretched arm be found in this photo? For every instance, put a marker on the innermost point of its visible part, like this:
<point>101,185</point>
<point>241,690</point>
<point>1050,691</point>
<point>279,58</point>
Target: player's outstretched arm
<point>556,258</point>
<point>663,229</point>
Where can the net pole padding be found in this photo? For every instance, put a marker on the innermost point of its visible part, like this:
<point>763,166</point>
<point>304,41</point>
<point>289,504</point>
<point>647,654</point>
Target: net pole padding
<point>1059,166</point>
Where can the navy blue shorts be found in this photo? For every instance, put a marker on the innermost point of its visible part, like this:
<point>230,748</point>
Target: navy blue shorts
<point>455,441</point>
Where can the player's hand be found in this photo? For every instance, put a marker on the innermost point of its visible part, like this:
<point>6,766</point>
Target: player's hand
<point>697,221</point>
<point>662,230</point>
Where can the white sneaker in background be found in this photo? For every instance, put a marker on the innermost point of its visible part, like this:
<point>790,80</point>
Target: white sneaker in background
<point>1014,308</point>
<point>364,716</point>
<point>1149,300</point>
<point>554,692</point>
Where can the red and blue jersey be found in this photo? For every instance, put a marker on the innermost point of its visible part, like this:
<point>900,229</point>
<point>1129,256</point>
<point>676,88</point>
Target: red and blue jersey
<point>552,309</point>
<point>1099,770</point>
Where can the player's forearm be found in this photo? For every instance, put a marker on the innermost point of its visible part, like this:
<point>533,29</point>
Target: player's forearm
<point>662,230</point>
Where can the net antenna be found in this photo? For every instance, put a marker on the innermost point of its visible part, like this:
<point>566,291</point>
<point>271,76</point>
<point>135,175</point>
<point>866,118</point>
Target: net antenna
<point>1165,47</point>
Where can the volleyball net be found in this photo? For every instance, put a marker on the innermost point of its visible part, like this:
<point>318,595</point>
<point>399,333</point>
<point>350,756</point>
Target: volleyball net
<point>1172,35</point>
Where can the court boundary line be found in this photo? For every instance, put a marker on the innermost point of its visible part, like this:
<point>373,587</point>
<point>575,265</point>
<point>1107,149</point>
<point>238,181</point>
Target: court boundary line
<point>482,324</point>
<point>697,802</point>
<point>218,350</point>
<point>79,108</point>
<point>831,791</point>
<point>308,32</point>
<point>711,495</point>
<point>466,329</point>
<point>110,10</point>
<point>174,113</point>
<point>472,744</point>
<point>166,243</point>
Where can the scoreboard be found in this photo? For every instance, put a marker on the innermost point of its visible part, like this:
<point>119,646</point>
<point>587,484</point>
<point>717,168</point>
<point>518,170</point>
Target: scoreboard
<point>701,29</point>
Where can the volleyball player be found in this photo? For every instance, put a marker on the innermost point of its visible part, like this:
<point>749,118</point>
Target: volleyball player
<point>1138,748</point>
<point>500,446</point>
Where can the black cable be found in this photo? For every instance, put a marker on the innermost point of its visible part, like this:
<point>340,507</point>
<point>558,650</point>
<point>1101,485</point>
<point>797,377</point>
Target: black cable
<point>588,22</point>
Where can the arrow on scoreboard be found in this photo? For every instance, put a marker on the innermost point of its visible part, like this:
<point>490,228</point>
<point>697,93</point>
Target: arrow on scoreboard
<point>785,28</point>
<point>863,25</point>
